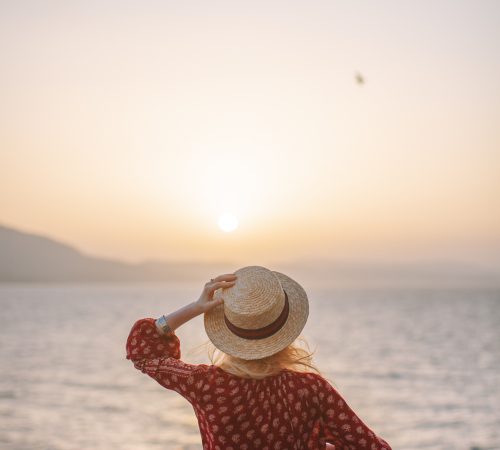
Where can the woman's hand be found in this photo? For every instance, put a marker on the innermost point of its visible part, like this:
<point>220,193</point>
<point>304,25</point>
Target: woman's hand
<point>206,301</point>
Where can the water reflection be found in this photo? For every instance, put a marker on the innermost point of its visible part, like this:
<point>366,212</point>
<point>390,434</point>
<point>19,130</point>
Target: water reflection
<point>420,367</point>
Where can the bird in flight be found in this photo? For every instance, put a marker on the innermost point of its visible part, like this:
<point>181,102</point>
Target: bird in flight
<point>359,78</point>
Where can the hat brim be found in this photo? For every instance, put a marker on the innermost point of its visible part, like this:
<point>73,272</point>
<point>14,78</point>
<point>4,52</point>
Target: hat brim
<point>222,337</point>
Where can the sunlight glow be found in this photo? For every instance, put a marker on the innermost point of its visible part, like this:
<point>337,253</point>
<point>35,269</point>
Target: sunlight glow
<point>228,222</point>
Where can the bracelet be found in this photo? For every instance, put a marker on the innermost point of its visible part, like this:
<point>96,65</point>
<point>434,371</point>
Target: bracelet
<point>162,325</point>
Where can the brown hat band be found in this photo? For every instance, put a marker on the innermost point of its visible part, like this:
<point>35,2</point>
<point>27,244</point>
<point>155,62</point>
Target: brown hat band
<point>264,332</point>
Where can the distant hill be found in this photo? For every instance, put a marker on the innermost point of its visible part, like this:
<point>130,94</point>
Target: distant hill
<point>26,257</point>
<point>396,274</point>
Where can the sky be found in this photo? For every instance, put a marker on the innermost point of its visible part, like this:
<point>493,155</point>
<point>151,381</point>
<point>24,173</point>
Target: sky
<point>128,128</point>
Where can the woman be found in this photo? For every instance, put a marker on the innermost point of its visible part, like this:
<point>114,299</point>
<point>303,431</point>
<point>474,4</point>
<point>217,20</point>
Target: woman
<point>265,392</point>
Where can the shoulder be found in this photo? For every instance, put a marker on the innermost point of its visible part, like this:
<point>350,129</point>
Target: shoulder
<point>211,374</point>
<point>311,378</point>
<point>317,383</point>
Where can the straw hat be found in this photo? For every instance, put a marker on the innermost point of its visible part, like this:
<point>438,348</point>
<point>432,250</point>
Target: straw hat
<point>262,313</point>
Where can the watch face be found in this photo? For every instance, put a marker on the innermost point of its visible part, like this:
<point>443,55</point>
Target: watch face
<point>162,324</point>
<point>159,323</point>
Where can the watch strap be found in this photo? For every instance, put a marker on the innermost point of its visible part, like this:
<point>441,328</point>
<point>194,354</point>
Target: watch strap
<point>162,325</point>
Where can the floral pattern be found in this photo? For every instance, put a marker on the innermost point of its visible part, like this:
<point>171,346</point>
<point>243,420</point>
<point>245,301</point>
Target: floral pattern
<point>286,411</point>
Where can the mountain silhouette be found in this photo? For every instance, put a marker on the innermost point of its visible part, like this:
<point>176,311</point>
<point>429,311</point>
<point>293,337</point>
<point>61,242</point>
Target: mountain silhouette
<point>26,257</point>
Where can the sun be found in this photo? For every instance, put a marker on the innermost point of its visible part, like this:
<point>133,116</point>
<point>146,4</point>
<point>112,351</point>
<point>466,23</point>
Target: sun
<point>228,222</point>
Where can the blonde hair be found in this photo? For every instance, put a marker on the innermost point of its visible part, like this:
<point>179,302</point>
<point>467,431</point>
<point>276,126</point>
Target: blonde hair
<point>297,357</point>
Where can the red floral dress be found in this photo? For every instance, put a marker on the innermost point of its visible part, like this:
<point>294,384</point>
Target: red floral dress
<point>289,410</point>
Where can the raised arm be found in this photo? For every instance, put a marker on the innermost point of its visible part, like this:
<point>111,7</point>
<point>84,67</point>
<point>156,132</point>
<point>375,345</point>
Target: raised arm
<point>157,353</point>
<point>205,303</point>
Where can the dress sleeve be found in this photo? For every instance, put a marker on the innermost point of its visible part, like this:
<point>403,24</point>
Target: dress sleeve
<point>342,426</point>
<point>158,355</point>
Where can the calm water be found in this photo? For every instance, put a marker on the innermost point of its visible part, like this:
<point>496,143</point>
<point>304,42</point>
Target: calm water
<point>421,367</point>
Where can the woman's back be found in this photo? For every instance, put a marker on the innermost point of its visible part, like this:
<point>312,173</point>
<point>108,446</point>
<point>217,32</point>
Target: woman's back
<point>289,410</point>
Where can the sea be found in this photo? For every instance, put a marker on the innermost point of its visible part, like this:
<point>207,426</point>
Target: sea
<point>420,366</point>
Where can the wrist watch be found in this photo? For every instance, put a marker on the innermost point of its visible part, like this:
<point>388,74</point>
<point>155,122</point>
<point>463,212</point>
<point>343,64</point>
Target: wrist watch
<point>162,325</point>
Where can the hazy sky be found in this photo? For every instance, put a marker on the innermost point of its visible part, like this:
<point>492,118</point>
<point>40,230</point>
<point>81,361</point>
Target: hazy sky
<point>128,128</point>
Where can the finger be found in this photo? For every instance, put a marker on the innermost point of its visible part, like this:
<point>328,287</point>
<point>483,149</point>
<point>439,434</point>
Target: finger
<point>214,303</point>
<point>226,277</point>
<point>220,284</point>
